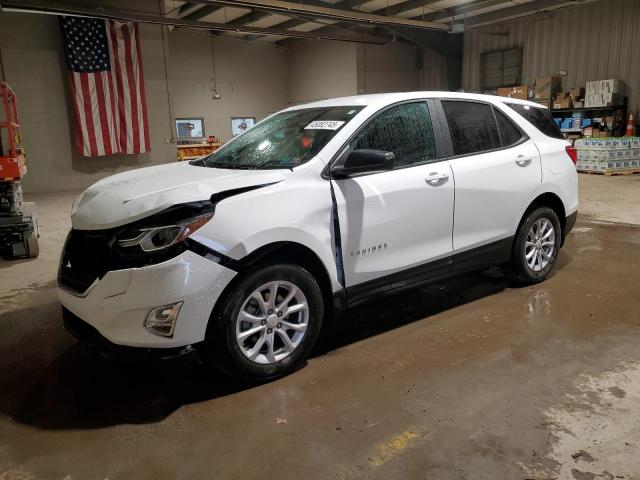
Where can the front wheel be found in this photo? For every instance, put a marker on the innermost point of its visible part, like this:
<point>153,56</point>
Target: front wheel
<point>267,325</point>
<point>536,246</point>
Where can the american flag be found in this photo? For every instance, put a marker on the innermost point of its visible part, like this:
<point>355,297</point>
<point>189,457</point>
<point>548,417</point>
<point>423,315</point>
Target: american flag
<point>107,86</point>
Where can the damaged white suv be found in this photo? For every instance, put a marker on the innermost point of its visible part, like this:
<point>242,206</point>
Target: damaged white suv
<point>244,254</point>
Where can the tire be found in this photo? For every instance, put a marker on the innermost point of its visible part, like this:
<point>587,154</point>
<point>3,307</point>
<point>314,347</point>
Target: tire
<point>246,358</point>
<point>32,245</point>
<point>542,256</point>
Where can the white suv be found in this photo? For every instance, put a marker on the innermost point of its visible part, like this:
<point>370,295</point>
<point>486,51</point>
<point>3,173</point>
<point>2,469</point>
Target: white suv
<point>244,254</point>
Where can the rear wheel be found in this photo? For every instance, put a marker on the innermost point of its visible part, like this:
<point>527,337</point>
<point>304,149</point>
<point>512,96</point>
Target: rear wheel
<point>267,325</point>
<point>536,247</point>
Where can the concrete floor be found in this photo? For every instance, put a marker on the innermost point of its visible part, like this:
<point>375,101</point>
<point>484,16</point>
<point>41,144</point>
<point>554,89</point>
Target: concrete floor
<point>463,379</point>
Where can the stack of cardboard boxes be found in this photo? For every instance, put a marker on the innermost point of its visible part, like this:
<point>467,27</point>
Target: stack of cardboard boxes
<point>548,87</point>
<point>604,93</point>
<point>572,99</point>
<point>521,92</point>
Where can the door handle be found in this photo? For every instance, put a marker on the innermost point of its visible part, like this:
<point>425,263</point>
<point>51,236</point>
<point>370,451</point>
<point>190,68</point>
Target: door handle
<point>523,162</point>
<point>435,178</point>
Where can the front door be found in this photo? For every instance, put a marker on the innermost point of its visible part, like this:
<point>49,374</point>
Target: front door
<point>396,226</point>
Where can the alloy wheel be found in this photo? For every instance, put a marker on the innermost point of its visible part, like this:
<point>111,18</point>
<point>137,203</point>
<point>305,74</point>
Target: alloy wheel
<point>540,244</point>
<point>272,322</point>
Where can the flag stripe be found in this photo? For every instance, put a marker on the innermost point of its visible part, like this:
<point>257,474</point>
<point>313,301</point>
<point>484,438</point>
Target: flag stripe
<point>79,121</point>
<point>108,96</point>
<point>122,142</point>
<point>95,113</point>
<point>115,114</point>
<point>125,120</point>
<point>131,82</point>
<point>104,120</point>
<point>143,95</point>
<point>88,113</point>
<point>134,66</point>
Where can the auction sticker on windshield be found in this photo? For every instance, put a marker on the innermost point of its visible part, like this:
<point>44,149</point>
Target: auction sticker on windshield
<point>324,125</point>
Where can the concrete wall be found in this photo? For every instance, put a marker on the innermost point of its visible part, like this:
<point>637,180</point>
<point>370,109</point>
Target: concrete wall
<point>321,69</point>
<point>250,77</point>
<point>435,74</point>
<point>394,67</point>
<point>595,41</point>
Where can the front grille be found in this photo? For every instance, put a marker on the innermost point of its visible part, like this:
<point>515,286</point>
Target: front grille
<point>87,256</point>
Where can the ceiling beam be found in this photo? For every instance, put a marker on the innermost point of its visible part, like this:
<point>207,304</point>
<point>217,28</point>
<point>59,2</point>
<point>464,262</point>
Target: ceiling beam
<point>405,7</point>
<point>521,10</point>
<point>394,10</point>
<point>203,12</point>
<point>328,13</point>
<point>462,10</point>
<point>294,22</point>
<point>248,18</point>
<point>57,8</point>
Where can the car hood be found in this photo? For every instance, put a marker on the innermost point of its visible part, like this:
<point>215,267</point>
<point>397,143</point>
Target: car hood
<point>126,197</point>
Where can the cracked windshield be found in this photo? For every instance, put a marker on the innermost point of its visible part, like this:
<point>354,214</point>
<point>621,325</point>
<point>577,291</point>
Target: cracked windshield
<point>285,140</point>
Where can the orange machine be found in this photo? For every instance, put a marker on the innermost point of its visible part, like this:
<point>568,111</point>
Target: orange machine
<point>12,163</point>
<point>18,225</point>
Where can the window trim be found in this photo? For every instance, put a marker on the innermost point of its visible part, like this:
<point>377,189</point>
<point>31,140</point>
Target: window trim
<point>447,133</point>
<point>326,171</point>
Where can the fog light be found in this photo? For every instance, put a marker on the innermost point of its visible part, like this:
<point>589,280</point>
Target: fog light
<point>162,320</point>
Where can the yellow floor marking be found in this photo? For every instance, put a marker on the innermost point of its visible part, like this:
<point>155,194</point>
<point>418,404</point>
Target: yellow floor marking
<point>387,450</point>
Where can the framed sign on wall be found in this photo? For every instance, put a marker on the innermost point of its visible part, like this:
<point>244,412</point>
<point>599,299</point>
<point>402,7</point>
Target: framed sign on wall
<point>241,124</point>
<point>190,127</point>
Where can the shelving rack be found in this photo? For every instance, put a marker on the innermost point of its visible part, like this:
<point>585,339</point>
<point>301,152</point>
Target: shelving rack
<point>620,112</point>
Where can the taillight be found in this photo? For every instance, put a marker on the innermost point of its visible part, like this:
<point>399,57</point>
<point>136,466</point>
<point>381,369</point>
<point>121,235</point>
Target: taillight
<point>572,152</point>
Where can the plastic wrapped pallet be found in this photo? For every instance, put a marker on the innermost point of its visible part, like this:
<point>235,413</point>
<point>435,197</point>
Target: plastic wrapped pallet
<point>608,155</point>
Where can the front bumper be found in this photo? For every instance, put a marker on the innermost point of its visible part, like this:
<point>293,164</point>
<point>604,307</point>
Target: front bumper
<point>117,305</point>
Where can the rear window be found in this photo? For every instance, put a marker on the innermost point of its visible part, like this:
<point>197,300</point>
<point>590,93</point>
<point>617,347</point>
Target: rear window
<point>539,118</point>
<point>509,133</point>
<point>473,127</point>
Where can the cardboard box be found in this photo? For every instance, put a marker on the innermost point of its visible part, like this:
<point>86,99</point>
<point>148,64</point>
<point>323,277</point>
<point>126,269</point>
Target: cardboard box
<point>603,93</point>
<point>521,92</point>
<point>576,93</point>
<point>547,87</point>
<point>578,104</point>
<point>563,103</point>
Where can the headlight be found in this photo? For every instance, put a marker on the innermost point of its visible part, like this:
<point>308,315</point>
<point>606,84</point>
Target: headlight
<point>152,239</point>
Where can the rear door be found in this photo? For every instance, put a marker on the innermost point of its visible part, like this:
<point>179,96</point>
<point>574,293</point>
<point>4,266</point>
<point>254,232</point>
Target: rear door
<point>496,168</point>
<point>396,225</point>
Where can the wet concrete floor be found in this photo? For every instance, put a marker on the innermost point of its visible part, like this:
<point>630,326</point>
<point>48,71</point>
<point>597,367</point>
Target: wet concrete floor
<point>466,379</point>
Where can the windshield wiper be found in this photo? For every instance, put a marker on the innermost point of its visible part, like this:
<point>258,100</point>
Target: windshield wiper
<point>230,166</point>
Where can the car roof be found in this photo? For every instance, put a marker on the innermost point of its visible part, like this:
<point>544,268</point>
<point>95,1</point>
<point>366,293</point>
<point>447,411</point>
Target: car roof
<point>382,99</point>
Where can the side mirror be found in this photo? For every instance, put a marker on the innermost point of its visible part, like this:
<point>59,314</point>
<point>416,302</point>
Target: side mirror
<point>363,161</point>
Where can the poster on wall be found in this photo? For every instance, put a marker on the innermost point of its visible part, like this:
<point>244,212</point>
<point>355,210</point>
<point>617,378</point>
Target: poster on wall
<point>190,127</point>
<point>241,124</point>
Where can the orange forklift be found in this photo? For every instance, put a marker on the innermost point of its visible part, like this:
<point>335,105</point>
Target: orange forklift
<point>18,223</point>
